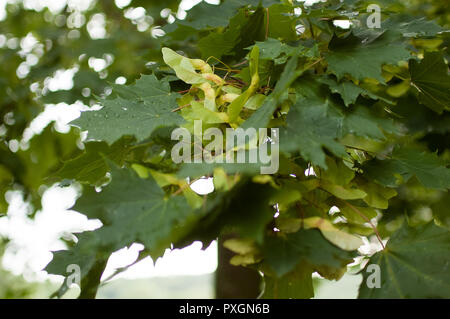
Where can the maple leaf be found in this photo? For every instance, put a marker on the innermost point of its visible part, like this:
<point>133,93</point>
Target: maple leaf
<point>309,129</point>
<point>414,264</point>
<point>131,209</point>
<point>430,78</point>
<point>362,58</point>
<point>137,111</point>
<point>284,253</point>
<point>406,163</point>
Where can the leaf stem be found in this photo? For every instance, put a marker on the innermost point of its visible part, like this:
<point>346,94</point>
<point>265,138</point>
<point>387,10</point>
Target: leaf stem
<point>311,28</point>
<point>229,70</point>
<point>313,64</point>
<point>180,107</point>
<point>218,60</point>
<point>356,210</point>
<point>240,63</point>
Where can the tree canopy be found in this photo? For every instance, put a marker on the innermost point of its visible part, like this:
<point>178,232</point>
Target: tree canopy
<point>362,113</point>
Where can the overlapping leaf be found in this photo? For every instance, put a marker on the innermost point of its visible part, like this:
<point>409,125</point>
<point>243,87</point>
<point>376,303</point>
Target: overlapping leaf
<point>309,129</point>
<point>131,209</point>
<point>413,265</point>
<point>406,163</point>
<point>137,111</point>
<point>431,79</point>
<point>283,254</point>
<point>363,58</point>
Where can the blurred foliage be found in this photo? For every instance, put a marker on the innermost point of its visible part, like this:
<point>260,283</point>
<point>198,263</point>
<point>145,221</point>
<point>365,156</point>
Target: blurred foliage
<point>39,44</point>
<point>35,45</point>
<point>12,286</point>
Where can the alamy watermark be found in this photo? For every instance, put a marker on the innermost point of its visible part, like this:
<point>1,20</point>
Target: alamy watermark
<point>374,279</point>
<point>239,146</point>
<point>74,275</point>
<point>374,19</point>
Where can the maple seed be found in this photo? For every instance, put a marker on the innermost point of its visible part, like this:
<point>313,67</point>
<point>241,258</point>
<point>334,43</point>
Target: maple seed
<point>214,78</point>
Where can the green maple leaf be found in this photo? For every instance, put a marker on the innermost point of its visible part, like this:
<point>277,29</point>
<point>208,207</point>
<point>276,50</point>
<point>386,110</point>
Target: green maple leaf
<point>348,90</point>
<point>337,180</point>
<point>43,157</point>
<point>297,284</point>
<point>205,15</point>
<point>440,210</point>
<point>377,195</point>
<point>343,192</point>
<point>244,210</point>
<point>406,163</point>
<point>309,129</point>
<point>413,265</point>
<point>430,78</point>
<point>412,26</point>
<point>136,210</point>
<point>90,167</point>
<point>362,58</point>
<point>284,253</point>
<point>87,255</point>
<point>251,30</point>
<point>421,119</point>
<point>131,209</point>
<point>243,30</point>
<point>279,52</point>
<point>337,172</point>
<point>273,49</point>
<point>352,213</point>
<point>194,170</point>
<point>280,24</point>
<point>361,121</point>
<point>262,116</point>
<point>138,110</point>
<point>218,44</point>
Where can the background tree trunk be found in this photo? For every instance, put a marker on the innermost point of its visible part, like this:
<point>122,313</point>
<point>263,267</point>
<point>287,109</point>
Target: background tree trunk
<point>234,282</point>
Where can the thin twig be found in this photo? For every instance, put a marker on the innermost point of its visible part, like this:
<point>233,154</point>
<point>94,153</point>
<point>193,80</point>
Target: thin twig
<point>311,28</point>
<point>240,63</point>
<point>122,269</point>
<point>139,145</point>
<point>228,70</point>
<point>180,107</point>
<point>184,186</point>
<point>213,57</point>
<point>356,210</point>
<point>313,64</point>
<point>186,91</point>
<point>302,213</point>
